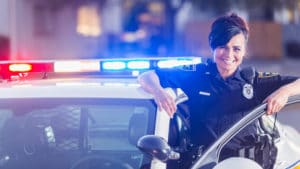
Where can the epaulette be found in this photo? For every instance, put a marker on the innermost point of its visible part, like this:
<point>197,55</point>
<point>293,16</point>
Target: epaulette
<point>266,74</point>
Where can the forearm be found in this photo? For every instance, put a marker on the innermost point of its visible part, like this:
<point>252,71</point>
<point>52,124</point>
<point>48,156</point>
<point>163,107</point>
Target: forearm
<point>149,81</point>
<point>151,84</point>
<point>279,98</point>
<point>292,88</point>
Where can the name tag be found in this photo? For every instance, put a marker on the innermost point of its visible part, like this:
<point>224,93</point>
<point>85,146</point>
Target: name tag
<point>204,93</point>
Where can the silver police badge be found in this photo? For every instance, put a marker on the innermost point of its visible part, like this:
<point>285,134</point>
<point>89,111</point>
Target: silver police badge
<point>248,91</point>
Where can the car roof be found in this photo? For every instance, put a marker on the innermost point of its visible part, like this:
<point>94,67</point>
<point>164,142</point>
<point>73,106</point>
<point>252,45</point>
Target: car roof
<point>70,87</point>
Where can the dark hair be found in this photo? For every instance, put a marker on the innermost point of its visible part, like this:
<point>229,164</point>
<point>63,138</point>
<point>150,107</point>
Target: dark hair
<point>225,27</point>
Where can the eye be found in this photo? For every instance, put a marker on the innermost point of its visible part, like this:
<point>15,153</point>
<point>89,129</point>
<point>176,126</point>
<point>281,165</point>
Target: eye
<point>237,49</point>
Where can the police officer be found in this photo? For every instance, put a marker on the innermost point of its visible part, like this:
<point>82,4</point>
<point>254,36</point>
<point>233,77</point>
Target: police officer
<point>220,92</point>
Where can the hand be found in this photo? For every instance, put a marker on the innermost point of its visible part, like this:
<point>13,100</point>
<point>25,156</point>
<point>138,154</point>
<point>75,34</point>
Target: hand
<point>166,102</point>
<point>276,101</point>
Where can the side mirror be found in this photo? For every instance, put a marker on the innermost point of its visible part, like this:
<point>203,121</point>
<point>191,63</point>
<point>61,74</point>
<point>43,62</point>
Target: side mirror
<point>157,147</point>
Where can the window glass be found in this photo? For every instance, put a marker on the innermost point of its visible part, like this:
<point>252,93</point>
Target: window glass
<point>60,133</point>
<point>253,142</point>
<point>110,132</point>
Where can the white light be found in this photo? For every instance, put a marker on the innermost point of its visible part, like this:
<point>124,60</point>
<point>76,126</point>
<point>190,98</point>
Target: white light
<point>76,66</point>
<point>114,65</point>
<point>177,62</point>
<point>138,65</point>
<point>166,63</point>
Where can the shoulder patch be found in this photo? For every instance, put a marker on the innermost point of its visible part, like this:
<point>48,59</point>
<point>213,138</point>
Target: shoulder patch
<point>266,74</point>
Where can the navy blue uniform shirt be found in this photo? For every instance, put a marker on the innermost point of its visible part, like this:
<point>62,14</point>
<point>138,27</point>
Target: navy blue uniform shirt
<point>215,103</point>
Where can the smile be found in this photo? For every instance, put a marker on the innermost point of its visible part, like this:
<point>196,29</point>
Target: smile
<point>229,61</point>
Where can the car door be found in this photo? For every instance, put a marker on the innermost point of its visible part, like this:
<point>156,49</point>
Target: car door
<point>285,149</point>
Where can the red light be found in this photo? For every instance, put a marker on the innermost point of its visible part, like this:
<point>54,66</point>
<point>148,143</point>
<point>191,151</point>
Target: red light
<point>20,67</point>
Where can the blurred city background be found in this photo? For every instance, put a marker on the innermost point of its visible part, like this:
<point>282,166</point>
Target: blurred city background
<point>68,29</point>
<point>85,29</point>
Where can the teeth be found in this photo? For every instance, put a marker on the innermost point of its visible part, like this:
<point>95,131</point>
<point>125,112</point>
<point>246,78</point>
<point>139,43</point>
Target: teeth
<point>228,61</point>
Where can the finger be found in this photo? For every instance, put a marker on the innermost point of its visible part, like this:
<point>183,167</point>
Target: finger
<point>270,107</point>
<point>159,105</point>
<point>279,106</point>
<point>172,109</point>
<point>167,108</point>
<point>173,106</point>
<point>274,107</point>
<point>170,103</point>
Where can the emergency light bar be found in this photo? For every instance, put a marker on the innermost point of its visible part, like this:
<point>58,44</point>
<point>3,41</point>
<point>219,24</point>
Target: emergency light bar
<point>96,66</point>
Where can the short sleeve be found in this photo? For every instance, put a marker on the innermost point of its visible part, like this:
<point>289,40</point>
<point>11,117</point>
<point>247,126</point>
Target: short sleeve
<point>266,83</point>
<point>176,77</point>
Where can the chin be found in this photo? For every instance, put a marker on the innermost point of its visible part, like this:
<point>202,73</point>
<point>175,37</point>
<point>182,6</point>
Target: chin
<point>230,68</point>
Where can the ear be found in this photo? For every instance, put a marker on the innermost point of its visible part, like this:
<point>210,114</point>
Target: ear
<point>247,56</point>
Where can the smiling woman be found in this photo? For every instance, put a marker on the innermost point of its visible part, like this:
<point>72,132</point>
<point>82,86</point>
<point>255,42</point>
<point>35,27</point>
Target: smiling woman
<point>221,92</point>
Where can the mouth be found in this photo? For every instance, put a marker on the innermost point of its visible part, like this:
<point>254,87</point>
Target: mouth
<point>229,61</point>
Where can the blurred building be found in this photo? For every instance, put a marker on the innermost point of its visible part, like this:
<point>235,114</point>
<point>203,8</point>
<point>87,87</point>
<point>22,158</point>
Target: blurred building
<point>66,29</point>
<point>4,30</point>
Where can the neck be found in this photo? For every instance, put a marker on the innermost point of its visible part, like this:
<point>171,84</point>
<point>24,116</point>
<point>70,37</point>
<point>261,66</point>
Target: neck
<point>225,73</point>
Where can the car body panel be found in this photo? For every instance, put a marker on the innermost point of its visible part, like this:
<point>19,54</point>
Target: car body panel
<point>80,87</point>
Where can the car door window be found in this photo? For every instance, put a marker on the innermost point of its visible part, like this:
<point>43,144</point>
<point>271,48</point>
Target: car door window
<point>257,140</point>
<point>253,142</point>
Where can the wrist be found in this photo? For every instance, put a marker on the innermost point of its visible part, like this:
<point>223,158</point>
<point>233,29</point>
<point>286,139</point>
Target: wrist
<point>158,90</point>
<point>287,89</point>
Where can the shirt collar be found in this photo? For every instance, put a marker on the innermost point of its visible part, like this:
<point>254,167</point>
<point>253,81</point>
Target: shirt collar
<point>214,71</point>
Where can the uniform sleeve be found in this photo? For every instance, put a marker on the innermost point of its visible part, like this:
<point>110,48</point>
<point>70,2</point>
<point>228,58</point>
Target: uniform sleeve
<point>175,77</point>
<point>266,83</point>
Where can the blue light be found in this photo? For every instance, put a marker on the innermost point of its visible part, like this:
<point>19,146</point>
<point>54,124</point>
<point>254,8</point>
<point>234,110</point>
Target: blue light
<point>113,65</point>
<point>146,64</point>
<point>138,64</point>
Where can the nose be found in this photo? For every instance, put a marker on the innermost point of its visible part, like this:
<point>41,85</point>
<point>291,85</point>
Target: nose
<point>229,53</point>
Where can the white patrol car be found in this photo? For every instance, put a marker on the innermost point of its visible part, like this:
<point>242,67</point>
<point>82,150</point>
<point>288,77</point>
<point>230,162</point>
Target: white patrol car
<point>67,114</point>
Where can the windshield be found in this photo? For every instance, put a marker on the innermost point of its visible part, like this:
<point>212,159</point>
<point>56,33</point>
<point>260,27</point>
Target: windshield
<point>73,133</point>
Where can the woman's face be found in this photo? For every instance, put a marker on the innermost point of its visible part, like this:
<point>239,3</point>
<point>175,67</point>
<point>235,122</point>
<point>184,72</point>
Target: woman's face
<point>230,56</point>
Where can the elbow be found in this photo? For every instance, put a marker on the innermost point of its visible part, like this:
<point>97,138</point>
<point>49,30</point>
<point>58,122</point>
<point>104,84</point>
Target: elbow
<point>148,81</point>
<point>142,78</point>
